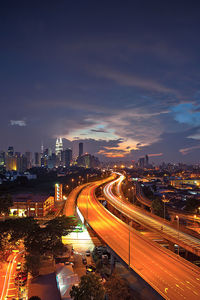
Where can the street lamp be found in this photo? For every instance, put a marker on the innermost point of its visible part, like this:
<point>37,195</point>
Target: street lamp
<point>194,219</point>
<point>164,200</point>
<point>177,217</point>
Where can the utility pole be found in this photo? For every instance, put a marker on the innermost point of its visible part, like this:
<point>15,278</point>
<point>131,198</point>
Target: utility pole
<point>129,244</point>
<point>178,231</point>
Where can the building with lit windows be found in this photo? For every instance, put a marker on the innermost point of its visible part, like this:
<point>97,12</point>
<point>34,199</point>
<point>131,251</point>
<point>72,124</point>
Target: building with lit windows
<point>58,192</point>
<point>66,157</point>
<point>88,161</point>
<point>185,182</point>
<point>59,147</point>
<point>29,205</point>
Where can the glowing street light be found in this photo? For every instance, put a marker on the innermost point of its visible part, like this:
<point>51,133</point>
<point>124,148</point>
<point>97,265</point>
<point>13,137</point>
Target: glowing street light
<point>164,200</point>
<point>195,216</point>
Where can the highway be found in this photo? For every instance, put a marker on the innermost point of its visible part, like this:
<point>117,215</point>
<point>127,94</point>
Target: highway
<point>69,208</point>
<point>187,241</point>
<point>70,205</point>
<point>172,211</point>
<point>173,277</point>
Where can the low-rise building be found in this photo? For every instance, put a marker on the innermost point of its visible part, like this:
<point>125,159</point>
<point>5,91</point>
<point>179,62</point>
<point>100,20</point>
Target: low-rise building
<point>29,205</point>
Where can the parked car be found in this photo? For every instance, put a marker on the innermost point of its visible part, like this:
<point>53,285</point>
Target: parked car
<point>67,263</point>
<point>18,268</point>
<point>21,279</point>
<point>90,269</point>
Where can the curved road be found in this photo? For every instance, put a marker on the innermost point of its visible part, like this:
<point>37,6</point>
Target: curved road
<point>187,241</point>
<point>172,277</point>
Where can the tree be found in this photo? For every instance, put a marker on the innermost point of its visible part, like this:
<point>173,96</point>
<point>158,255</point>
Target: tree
<point>89,288</point>
<point>191,204</point>
<point>5,203</point>
<point>32,264</point>
<point>157,207</point>
<point>117,288</point>
<point>61,226</point>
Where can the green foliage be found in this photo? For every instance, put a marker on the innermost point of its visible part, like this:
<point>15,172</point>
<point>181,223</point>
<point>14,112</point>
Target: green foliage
<point>32,264</point>
<point>48,239</point>
<point>5,203</point>
<point>89,288</point>
<point>42,241</point>
<point>99,265</point>
<point>191,204</point>
<point>157,207</point>
<point>147,192</point>
<point>117,288</point>
<point>61,226</point>
<point>13,230</point>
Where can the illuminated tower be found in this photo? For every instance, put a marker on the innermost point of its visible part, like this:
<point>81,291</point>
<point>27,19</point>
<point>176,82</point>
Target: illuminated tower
<point>58,192</point>
<point>59,147</point>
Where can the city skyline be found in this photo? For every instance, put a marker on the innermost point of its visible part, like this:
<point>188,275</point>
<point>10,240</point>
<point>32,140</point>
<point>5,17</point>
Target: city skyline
<point>121,79</point>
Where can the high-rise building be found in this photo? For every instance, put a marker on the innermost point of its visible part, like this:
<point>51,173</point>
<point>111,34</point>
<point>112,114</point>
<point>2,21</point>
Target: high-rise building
<point>28,156</point>
<point>11,163</point>
<point>88,161</point>
<point>37,159</point>
<point>146,160</point>
<point>22,164</point>
<point>59,147</point>
<point>141,162</point>
<point>66,157</point>
<point>2,158</point>
<point>10,151</point>
<point>52,160</point>
<point>80,149</point>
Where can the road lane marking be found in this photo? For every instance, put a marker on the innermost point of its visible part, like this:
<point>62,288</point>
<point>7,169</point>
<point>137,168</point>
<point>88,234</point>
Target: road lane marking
<point>195,293</point>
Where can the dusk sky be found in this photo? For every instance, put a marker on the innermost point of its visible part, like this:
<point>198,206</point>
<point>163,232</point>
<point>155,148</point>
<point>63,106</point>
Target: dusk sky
<point>121,76</point>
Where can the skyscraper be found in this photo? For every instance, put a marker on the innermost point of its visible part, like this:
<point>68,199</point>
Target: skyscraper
<point>59,147</point>
<point>10,151</point>
<point>28,156</point>
<point>37,159</point>
<point>146,160</point>
<point>80,149</point>
<point>66,157</point>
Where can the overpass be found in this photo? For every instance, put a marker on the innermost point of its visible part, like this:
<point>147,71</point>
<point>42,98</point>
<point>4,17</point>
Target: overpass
<point>170,275</point>
<point>146,219</point>
<point>70,204</point>
<point>172,211</point>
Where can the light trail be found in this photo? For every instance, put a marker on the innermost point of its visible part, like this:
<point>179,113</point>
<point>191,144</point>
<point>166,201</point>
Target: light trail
<point>189,242</point>
<point>173,277</point>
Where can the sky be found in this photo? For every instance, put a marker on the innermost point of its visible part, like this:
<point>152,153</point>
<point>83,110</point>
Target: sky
<point>120,76</point>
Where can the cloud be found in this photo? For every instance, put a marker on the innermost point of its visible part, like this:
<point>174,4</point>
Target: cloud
<point>186,113</point>
<point>126,79</point>
<point>17,123</point>
<point>155,154</point>
<point>186,151</point>
<point>98,130</point>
